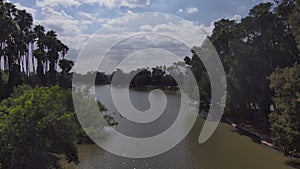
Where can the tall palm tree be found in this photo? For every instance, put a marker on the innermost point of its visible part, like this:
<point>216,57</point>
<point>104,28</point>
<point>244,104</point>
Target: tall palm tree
<point>24,21</point>
<point>55,48</point>
<point>40,52</point>
<point>7,11</point>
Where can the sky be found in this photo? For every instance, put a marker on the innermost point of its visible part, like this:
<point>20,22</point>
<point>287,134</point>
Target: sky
<point>76,20</point>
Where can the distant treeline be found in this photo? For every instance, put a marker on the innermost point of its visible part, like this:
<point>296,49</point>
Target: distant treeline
<point>158,77</point>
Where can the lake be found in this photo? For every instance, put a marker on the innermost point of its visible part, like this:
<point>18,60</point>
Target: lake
<point>226,149</point>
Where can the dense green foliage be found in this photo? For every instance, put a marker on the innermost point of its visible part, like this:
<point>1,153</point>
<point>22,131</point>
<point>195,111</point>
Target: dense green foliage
<point>251,50</point>
<point>159,77</point>
<point>285,122</point>
<point>290,10</point>
<point>39,124</point>
<point>99,78</point>
<point>36,125</point>
<point>202,78</point>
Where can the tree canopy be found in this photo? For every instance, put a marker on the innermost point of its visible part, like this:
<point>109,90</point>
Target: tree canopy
<point>285,122</point>
<point>36,124</point>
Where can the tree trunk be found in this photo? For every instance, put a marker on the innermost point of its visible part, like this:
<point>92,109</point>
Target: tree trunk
<point>32,58</point>
<point>40,72</point>
<point>52,74</point>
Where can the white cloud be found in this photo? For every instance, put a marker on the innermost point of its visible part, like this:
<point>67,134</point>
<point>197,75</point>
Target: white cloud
<point>189,10</point>
<point>60,21</point>
<point>87,16</point>
<point>192,10</point>
<point>107,3</point>
<point>51,13</point>
<point>138,33</point>
<point>61,26</point>
<point>29,10</point>
<point>54,3</point>
<point>235,17</point>
<point>180,30</point>
<point>86,22</point>
<point>119,3</point>
<point>77,41</point>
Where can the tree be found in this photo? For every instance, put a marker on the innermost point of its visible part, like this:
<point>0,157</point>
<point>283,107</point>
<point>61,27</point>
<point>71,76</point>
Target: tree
<point>222,34</point>
<point>40,52</point>
<point>157,76</point>
<point>65,78</point>
<point>18,42</point>
<point>36,124</point>
<point>250,51</point>
<point>285,121</point>
<point>102,78</point>
<point>290,11</point>
<point>201,76</point>
<point>142,79</point>
<point>54,48</point>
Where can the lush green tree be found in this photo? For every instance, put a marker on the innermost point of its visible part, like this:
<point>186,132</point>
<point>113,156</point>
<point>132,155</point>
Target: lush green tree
<point>221,37</point>
<point>35,125</point>
<point>65,77</point>
<point>201,76</point>
<point>250,51</point>
<point>285,121</point>
<point>102,78</point>
<point>142,79</point>
<point>290,10</point>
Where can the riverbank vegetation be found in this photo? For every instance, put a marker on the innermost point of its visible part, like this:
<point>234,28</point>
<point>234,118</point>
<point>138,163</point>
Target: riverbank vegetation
<point>37,118</point>
<point>260,54</point>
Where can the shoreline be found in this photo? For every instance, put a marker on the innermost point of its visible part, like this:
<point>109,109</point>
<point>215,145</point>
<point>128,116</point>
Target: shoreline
<point>249,131</point>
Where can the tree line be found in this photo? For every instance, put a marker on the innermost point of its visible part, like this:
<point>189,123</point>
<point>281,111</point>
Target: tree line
<point>28,53</point>
<point>156,77</point>
<point>260,55</point>
<point>37,119</point>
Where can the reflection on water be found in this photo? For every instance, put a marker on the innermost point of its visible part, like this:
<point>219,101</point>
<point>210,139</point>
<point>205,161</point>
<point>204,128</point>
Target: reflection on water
<point>226,149</point>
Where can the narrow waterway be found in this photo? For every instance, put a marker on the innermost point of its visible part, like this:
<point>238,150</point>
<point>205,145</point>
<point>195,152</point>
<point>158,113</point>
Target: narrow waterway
<point>226,149</point>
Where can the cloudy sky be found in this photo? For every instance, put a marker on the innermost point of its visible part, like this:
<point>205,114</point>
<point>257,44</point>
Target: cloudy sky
<point>76,20</point>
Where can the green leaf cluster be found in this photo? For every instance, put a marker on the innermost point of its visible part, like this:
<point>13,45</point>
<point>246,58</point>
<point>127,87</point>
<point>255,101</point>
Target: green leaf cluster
<point>36,124</point>
<point>285,122</point>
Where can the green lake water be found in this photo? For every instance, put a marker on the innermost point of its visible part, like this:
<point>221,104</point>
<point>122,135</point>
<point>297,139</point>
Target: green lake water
<point>226,149</point>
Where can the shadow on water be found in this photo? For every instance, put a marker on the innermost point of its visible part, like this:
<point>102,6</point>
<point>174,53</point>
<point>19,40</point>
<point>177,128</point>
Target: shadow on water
<point>293,163</point>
